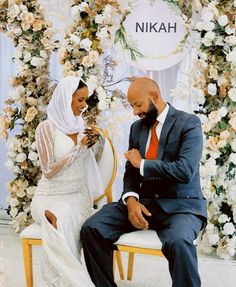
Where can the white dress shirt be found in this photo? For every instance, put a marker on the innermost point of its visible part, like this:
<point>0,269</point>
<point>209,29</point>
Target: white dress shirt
<point>161,119</point>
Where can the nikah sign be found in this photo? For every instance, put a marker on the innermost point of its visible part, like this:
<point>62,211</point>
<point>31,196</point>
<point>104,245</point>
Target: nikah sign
<point>154,36</point>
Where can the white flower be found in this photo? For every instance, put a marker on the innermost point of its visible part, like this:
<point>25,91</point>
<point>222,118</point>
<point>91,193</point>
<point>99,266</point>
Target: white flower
<point>224,135</point>
<point>83,6</point>
<point>92,84</point>
<point>200,26</point>
<point>229,228</point>
<point>102,105</point>
<point>43,54</point>
<point>231,57</point>
<point>208,38</point>
<point>210,35</point>
<point>232,158</point>
<point>14,10</point>
<point>207,17</point>
<point>13,211</point>
<point>21,157</point>
<point>101,93</point>
<point>75,10</point>
<point>75,39</point>
<point>37,62</point>
<point>212,89</point>
<point>232,94</point>
<point>197,6</point>
<point>34,146</point>
<point>222,112</point>
<point>223,20</point>
<point>27,57</point>
<point>231,40</point>
<point>233,144</point>
<point>209,26</point>
<point>86,44</point>
<point>229,30</point>
<point>31,190</point>
<point>223,218</point>
<point>13,201</point>
<point>213,238</point>
<point>17,31</point>
<point>20,193</point>
<point>32,156</point>
<point>99,19</point>
<point>232,122</point>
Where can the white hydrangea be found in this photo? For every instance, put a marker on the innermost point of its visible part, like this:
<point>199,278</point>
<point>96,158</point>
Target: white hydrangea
<point>231,56</point>
<point>232,94</point>
<point>38,62</point>
<point>232,158</point>
<point>223,20</point>
<point>233,144</point>
<point>228,228</point>
<point>86,44</point>
<point>212,89</point>
<point>13,201</point>
<point>21,157</point>
<point>32,156</point>
<point>223,218</point>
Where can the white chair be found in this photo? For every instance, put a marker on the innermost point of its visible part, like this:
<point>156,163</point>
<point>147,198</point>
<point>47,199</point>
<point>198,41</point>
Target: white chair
<point>32,234</point>
<point>142,242</point>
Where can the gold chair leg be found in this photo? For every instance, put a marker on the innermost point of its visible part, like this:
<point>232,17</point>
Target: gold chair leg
<point>117,257</point>
<point>130,266</point>
<point>27,253</point>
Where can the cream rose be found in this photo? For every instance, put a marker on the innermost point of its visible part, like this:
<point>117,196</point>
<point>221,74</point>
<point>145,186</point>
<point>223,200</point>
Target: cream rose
<point>30,114</point>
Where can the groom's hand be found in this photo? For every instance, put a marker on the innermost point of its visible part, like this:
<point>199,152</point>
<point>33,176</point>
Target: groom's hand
<point>133,155</point>
<point>136,210</point>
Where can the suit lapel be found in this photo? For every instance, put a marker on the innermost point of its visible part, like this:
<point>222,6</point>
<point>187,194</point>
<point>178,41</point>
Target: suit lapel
<point>143,139</point>
<point>169,121</point>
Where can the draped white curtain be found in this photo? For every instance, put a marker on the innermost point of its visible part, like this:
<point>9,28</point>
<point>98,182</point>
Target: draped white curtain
<point>58,11</point>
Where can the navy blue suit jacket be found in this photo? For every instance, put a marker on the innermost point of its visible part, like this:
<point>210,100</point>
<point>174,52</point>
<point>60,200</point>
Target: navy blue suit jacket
<point>173,177</point>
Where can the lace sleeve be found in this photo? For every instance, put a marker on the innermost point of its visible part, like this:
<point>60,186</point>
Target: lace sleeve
<point>45,140</point>
<point>98,148</point>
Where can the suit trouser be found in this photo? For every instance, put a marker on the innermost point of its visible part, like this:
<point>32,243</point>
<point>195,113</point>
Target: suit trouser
<point>176,231</point>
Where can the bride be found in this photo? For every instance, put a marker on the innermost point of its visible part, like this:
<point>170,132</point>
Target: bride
<point>70,182</point>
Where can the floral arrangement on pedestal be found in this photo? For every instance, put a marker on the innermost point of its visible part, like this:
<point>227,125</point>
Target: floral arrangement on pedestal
<point>24,23</point>
<point>214,81</point>
<point>90,34</point>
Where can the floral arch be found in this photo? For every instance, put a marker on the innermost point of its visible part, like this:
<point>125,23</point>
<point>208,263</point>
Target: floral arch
<point>213,81</point>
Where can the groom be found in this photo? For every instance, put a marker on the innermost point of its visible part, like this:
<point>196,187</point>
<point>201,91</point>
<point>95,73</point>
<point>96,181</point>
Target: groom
<point>161,190</point>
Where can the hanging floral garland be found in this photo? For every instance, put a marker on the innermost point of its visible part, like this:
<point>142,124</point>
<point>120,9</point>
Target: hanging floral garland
<point>3,15</point>
<point>215,78</point>
<point>91,33</point>
<point>25,25</point>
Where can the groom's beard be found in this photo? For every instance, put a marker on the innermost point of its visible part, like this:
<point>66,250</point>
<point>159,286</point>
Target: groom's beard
<point>150,115</point>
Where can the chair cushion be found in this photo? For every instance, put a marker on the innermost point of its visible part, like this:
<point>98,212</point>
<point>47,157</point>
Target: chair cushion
<point>140,238</point>
<point>32,231</point>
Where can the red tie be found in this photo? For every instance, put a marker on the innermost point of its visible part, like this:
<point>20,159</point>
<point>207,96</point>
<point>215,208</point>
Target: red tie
<point>153,145</point>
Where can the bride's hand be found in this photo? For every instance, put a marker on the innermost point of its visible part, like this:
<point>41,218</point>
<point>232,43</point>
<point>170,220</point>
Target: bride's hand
<point>92,133</point>
<point>86,140</point>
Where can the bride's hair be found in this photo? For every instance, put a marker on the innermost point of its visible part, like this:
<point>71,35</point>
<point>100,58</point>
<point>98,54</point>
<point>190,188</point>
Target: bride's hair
<point>81,85</point>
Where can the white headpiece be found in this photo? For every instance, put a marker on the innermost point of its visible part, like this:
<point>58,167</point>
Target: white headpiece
<point>59,109</point>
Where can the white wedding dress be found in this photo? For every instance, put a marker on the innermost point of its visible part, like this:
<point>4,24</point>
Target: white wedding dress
<point>63,191</point>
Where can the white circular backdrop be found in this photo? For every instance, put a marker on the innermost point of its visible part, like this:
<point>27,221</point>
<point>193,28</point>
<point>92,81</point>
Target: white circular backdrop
<point>157,32</point>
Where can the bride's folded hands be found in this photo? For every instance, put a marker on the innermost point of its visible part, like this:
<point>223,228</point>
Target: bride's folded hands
<point>91,136</point>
